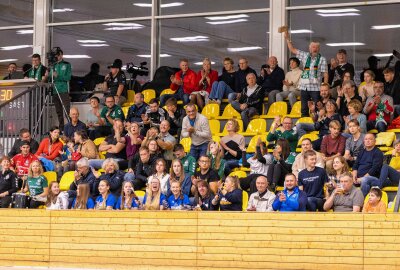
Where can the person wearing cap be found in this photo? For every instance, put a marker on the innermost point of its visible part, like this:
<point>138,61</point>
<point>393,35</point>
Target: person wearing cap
<point>115,82</point>
<point>338,67</point>
<point>61,75</point>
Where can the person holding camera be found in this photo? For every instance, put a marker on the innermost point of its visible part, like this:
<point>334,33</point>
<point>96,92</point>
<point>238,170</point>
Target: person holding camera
<point>60,75</point>
<point>115,82</point>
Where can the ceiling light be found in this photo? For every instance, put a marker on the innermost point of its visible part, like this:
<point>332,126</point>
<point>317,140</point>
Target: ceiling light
<point>142,4</point>
<point>173,4</point>
<point>149,55</point>
<point>10,48</point>
<point>345,44</point>
<point>90,41</point>
<point>122,24</point>
<point>383,54</point>
<point>242,49</point>
<point>382,27</point>
<point>24,32</point>
<point>228,22</point>
<point>341,10</point>
<point>94,45</point>
<point>338,14</point>
<point>201,63</point>
<point>301,31</point>
<point>229,17</point>
<point>123,28</point>
<point>74,56</point>
<point>8,60</point>
<point>190,39</point>
<point>62,10</point>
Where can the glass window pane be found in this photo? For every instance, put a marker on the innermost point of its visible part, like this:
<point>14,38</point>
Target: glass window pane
<point>350,29</point>
<point>67,10</point>
<point>16,12</point>
<point>101,46</point>
<point>215,41</point>
<point>321,2</point>
<point>196,6</point>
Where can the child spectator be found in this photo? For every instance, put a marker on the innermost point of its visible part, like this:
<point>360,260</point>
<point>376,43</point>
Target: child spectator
<point>374,203</point>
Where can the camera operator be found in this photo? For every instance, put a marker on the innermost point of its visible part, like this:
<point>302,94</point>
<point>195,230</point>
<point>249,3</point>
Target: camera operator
<point>115,82</point>
<point>61,75</point>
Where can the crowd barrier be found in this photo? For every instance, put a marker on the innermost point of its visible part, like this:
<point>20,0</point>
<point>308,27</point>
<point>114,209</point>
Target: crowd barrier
<point>198,240</point>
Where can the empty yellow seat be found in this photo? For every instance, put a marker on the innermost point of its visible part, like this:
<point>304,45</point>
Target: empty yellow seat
<point>50,176</point>
<point>278,108</point>
<point>125,111</point>
<point>385,138</point>
<point>131,96</point>
<point>253,143</point>
<point>66,180</point>
<point>305,120</point>
<point>256,127</point>
<point>167,92</point>
<point>296,110</point>
<point>238,174</point>
<point>186,142</point>
<point>229,112</point>
<point>148,94</point>
<point>211,111</point>
<point>215,126</point>
<point>245,200</point>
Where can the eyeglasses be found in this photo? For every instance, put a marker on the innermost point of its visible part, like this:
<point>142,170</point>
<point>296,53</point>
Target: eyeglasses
<point>203,161</point>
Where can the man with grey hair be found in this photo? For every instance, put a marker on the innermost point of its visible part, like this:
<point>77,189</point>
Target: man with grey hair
<point>82,175</point>
<point>261,201</point>
<point>314,65</point>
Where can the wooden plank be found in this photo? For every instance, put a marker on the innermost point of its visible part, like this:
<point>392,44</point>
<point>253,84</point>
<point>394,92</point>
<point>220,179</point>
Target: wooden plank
<point>119,266</point>
<point>382,246</point>
<point>23,232</point>
<point>25,244</point>
<point>126,241</point>
<point>21,219</point>
<point>383,261</point>
<point>14,263</point>
<point>5,212</point>
<point>13,238</point>
<point>25,226</point>
<point>380,266</point>
<point>381,239</point>
<point>32,250</point>
<point>384,254</point>
<point>25,257</point>
<point>381,232</point>
<point>126,214</point>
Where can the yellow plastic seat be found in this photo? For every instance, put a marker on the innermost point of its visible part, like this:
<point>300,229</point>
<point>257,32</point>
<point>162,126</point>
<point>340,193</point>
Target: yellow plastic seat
<point>277,108</point>
<point>395,163</point>
<point>66,180</point>
<point>225,132</point>
<point>99,140</point>
<point>279,188</point>
<point>216,138</point>
<point>50,176</point>
<point>256,127</point>
<point>296,110</point>
<point>305,120</point>
<point>211,111</point>
<point>245,200</point>
<point>140,193</point>
<point>167,92</point>
<point>102,155</point>
<point>125,111</point>
<point>148,94</point>
<point>251,148</point>
<point>385,138</point>
<point>244,169</point>
<point>384,198</point>
<point>131,96</point>
<point>186,142</point>
<point>238,174</point>
<point>215,126</point>
<point>229,113</point>
<point>390,189</point>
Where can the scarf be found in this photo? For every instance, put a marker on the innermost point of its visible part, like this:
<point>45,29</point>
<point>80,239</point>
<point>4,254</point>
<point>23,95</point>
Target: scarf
<point>306,72</point>
<point>36,75</point>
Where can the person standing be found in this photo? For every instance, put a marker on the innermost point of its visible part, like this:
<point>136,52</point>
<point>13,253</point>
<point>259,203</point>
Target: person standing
<point>37,71</point>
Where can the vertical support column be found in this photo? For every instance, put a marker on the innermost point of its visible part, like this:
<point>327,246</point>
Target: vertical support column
<point>277,18</point>
<point>155,38</point>
<point>40,33</point>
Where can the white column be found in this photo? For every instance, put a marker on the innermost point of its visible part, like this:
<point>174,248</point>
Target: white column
<point>155,38</point>
<point>277,18</point>
<point>40,30</point>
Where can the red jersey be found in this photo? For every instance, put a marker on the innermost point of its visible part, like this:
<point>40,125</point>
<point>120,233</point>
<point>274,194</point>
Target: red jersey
<point>21,163</point>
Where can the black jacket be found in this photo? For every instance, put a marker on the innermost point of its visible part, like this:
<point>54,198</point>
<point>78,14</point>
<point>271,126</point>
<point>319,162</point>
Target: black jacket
<point>89,178</point>
<point>8,182</point>
<point>240,78</point>
<point>273,81</point>
<point>115,180</point>
<point>17,144</point>
<point>176,122</point>
<point>144,170</point>
<point>254,100</point>
<point>135,113</point>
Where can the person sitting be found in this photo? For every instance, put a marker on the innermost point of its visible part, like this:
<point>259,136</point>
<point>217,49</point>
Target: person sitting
<point>340,167</point>
<point>261,201</point>
<point>136,111</point>
<point>282,163</point>
<point>36,184</point>
<point>8,182</point>
<point>21,162</point>
<point>115,82</point>
<point>378,109</point>
<point>392,87</point>
<point>241,78</point>
<point>114,146</point>
<point>161,174</point>
<point>205,173</point>
<point>374,203</point>
<point>50,146</point>
<point>248,103</point>
<point>128,199</point>
<point>286,132</point>
<point>196,127</point>
<point>291,83</point>
<point>205,78</point>
<point>178,174</point>
<point>82,175</point>
<point>291,198</point>
<point>184,82</point>
<point>154,150</point>
<point>346,94</point>
<point>367,167</point>
<point>299,163</point>
<point>93,118</point>
<point>216,155</point>
<point>175,117</point>
<point>85,146</point>
<point>203,197</point>
<point>83,199</point>
<point>133,142</point>
<point>106,200</point>
<point>144,168</point>
<point>230,197</point>
<point>226,82</point>
<point>108,115</point>
<point>355,143</point>
<point>24,136</point>
<point>74,125</point>
<point>189,162</point>
<point>355,108</point>
<point>177,200</point>
<point>113,175</point>
<point>312,180</point>
<point>56,200</point>
<point>166,141</point>
<point>232,144</point>
<point>153,117</point>
<point>366,88</point>
<point>345,197</point>
<point>271,79</point>
<point>333,144</point>
<point>154,199</point>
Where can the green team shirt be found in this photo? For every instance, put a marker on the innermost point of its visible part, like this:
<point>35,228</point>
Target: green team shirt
<point>64,73</point>
<point>189,164</point>
<point>36,185</point>
<point>221,169</point>
<point>290,135</point>
<point>116,113</point>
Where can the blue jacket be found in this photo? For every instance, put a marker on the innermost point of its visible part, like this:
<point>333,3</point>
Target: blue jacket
<point>186,185</point>
<point>135,113</point>
<point>297,201</point>
<point>175,203</point>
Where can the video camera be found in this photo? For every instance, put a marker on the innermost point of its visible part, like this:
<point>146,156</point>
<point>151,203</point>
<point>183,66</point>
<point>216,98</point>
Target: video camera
<point>137,70</point>
<point>51,56</point>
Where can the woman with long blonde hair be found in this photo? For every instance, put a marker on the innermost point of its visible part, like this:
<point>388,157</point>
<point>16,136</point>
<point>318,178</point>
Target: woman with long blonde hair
<point>36,184</point>
<point>216,154</point>
<point>230,196</point>
<point>177,173</point>
<point>154,199</point>
<point>83,199</point>
<point>128,199</point>
<point>56,199</point>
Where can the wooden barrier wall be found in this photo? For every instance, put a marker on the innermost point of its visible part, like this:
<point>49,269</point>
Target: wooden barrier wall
<point>198,240</point>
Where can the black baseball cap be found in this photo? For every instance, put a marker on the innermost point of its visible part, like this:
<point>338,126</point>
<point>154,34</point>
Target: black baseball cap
<point>116,64</point>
